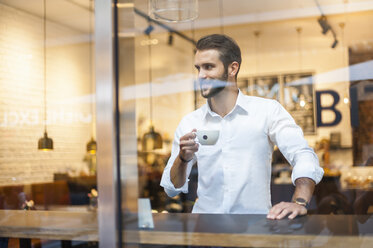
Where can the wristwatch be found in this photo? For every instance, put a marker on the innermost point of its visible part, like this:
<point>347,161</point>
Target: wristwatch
<point>300,201</point>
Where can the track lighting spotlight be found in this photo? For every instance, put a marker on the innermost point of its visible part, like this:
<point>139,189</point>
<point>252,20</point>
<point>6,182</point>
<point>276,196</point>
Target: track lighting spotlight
<point>335,43</point>
<point>170,39</point>
<point>324,24</point>
<point>148,30</point>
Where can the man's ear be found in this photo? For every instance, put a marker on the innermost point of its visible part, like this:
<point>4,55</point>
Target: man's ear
<point>233,69</point>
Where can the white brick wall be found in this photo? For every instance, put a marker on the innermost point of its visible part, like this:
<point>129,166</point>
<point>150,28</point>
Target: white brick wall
<point>21,98</point>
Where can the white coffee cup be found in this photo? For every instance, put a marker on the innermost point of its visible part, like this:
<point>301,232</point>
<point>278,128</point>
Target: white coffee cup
<point>207,137</point>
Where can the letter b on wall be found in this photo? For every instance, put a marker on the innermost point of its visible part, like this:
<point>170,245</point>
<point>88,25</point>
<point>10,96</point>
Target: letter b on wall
<point>338,115</point>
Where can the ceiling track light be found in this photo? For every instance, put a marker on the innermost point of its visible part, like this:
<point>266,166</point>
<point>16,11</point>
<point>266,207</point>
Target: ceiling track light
<point>148,29</point>
<point>325,26</point>
<point>45,143</point>
<point>164,26</point>
<point>170,41</point>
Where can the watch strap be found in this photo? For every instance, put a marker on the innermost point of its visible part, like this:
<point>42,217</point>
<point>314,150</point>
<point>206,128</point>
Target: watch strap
<point>184,160</point>
<point>300,201</point>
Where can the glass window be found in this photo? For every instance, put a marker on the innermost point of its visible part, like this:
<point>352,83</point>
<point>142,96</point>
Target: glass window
<point>47,115</point>
<point>312,58</point>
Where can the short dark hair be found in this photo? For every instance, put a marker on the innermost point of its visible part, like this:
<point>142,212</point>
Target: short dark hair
<point>227,47</point>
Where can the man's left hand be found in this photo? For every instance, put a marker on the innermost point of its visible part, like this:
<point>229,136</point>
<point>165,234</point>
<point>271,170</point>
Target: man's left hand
<point>283,209</point>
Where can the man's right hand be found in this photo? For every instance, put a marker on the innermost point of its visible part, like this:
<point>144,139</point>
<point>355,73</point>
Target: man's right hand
<point>188,145</point>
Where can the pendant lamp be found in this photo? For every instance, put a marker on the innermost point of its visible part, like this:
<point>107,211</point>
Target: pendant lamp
<point>302,99</point>
<point>299,48</point>
<point>173,10</point>
<point>151,140</point>
<point>346,98</point>
<point>91,145</point>
<point>45,143</point>
<point>221,15</point>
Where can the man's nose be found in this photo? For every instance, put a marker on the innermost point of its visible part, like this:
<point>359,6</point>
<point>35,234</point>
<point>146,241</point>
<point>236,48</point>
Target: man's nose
<point>202,74</point>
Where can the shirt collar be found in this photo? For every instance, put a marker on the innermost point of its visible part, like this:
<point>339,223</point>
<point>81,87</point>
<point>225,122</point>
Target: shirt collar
<point>241,104</point>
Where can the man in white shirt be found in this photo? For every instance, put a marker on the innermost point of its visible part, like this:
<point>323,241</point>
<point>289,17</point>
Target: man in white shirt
<point>234,174</point>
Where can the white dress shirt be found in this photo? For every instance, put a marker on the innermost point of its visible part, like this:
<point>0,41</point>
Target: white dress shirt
<point>234,175</point>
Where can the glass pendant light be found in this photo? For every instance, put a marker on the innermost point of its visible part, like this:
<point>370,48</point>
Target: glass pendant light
<point>173,10</point>
<point>45,143</point>
<point>151,140</point>
<point>91,145</point>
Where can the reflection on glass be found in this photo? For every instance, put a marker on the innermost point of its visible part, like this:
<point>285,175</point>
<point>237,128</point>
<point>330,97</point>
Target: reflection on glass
<point>278,77</point>
<point>63,178</point>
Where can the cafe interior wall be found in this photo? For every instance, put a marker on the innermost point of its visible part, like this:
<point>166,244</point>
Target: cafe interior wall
<point>21,98</point>
<point>278,54</point>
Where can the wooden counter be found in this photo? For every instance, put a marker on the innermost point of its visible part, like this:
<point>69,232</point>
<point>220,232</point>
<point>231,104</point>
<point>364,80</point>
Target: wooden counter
<point>198,229</point>
<point>56,225</point>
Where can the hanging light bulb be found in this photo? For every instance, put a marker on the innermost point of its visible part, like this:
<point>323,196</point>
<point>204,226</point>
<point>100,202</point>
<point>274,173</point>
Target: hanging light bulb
<point>151,140</point>
<point>346,99</point>
<point>302,101</point>
<point>91,145</point>
<point>342,25</point>
<point>252,87</point>
<point>299,48</point>
<point>45,143</point>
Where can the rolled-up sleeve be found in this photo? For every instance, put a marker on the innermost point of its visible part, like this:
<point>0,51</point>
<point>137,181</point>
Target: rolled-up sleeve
<point>166,182</point>
<point>288,136</point>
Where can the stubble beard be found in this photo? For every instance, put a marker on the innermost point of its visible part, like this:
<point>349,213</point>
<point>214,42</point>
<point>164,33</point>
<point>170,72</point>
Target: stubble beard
<point>217,89</point>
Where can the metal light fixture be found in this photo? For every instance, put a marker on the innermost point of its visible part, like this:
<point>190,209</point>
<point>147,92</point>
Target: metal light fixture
<point>151,140</point>
<point>325,26</point>
<point>170,39</point>
<point>45,143</point>
<point>173,10</point>
<point>91,145</point>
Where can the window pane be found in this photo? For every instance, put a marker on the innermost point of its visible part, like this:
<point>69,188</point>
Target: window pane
<point>47,91</point>
<point>312,58</point>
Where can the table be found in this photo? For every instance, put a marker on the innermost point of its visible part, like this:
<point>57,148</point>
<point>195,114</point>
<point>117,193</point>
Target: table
<point>198,229</point>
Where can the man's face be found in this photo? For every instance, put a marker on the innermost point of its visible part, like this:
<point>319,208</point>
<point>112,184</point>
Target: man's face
<point>212,75</point>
